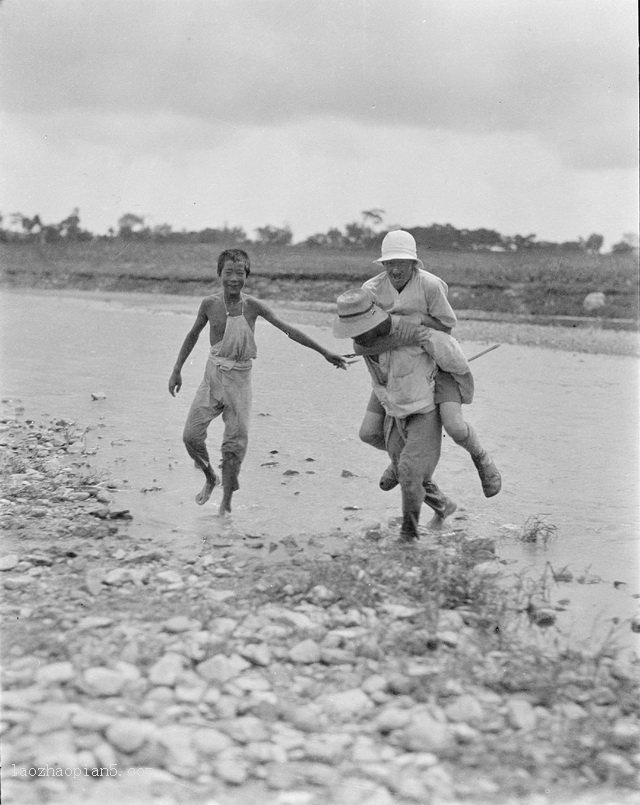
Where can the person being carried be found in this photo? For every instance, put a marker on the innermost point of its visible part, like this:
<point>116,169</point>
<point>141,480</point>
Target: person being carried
<point>226,387</point>
<point>404,288</point>
<point>403,385</point>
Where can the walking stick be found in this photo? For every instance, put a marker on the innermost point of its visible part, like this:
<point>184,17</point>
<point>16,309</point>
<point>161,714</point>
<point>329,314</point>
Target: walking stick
<point>484,352</point>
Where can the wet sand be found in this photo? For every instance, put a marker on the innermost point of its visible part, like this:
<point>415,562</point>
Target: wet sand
<point>562,426</point>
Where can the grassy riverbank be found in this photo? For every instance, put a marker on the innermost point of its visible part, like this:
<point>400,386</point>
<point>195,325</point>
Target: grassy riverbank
<point>368,673</point>
<point>532,283</point>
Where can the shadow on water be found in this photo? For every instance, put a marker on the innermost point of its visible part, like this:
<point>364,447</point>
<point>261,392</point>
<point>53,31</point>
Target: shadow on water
<point>562,427</point>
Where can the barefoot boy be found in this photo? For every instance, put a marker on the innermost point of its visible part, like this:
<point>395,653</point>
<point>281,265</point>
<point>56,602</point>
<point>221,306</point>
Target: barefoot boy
<point>226,387</point>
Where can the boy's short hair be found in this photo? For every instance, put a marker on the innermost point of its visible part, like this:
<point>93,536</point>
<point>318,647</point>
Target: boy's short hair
<point>234,256</point>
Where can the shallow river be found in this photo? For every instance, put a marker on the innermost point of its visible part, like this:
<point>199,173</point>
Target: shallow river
<point>562,427</point>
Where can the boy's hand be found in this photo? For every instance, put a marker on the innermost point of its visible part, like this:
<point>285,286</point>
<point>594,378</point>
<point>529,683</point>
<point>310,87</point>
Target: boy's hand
<point>175,382</point>
<point>337,360</point>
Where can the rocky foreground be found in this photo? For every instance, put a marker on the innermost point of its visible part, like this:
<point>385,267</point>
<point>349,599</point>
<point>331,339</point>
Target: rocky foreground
<point>375,676</point>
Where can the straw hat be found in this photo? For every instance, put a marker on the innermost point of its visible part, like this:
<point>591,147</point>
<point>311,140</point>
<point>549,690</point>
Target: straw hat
<point>357,313</point>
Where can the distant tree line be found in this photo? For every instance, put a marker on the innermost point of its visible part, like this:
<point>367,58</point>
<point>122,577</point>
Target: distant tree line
<point>364,234</point>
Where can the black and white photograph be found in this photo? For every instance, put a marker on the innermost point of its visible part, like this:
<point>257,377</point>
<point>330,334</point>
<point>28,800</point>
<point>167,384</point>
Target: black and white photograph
<point>319,402</point>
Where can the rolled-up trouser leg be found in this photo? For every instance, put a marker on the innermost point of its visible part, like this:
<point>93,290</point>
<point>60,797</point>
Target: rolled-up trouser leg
<point>235,415</point>
<point>204,409</point>
<point>414,446</point>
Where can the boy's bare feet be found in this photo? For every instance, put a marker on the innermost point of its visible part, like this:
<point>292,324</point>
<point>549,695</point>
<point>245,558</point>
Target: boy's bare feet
<point>224,508</point>
<point>209,485</point>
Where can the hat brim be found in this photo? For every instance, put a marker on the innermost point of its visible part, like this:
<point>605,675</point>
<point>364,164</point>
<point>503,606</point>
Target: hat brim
<point>396,256</point>
<point>360,323</point>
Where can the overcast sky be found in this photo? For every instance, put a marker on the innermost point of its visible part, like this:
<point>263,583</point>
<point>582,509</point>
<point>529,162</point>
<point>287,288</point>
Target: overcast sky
<point>517,115</point>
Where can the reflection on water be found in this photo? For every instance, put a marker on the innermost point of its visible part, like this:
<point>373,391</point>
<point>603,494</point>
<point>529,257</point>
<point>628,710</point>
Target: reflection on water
<point>561,426</point>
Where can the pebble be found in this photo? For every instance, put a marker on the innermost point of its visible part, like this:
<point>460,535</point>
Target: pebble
<point>128,734</point>
<point>181,623</point>
<point>103,681</point>
<point>305,653</point>
<point>9,561</point>
<point>166,670</point>
<point>465,708</point>
<point>424,734</point>
<point>521,715</point>
<point>55,673</point>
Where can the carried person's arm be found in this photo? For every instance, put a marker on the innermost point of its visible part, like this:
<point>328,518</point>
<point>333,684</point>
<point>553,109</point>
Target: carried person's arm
<point>298,336</point>
<point>175,380</point>
<point>405,334</point>
<point>435,324</point>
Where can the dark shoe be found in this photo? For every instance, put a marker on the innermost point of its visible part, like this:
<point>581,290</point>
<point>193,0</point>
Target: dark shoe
<point>437,500</point>
<point>388,479</point>
<point>440,516</point>
<point>489,474</point>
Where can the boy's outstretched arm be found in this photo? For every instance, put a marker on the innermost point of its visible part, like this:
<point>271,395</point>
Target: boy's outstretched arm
<point>299,337</point>
<point>175,379</point>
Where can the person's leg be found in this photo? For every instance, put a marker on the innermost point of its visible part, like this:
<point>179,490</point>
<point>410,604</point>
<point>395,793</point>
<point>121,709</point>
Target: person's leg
<point>464,435</point>
<point>235,415</point>
<point>442,506</point>
<point>372,432</point>
<point>416,464</point>
<point>203,410</point>
<point>372,427</point>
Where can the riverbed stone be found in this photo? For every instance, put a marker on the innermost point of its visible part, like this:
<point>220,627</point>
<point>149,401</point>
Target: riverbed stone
<point>55,673</point>
<point>347,704</point>
<point>104,681</point>
<point>128,734</point>
<point>425,734</point>
<point>305,653</point>
<point>521,715</point>
<point>166,670</point>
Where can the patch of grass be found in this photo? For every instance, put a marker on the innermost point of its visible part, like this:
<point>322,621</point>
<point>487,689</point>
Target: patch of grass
<point>536,530</point>
<point>535,283</point>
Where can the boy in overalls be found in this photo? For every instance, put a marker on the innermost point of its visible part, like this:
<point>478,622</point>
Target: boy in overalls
<point>226,387</point>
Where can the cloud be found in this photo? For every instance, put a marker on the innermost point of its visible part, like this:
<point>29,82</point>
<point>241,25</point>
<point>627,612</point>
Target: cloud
<point>192,70</point>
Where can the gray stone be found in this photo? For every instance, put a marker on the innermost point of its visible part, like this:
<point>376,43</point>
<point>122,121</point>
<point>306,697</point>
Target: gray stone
<point>90,720</point>
<point>346,705</point>
<point>210,741</point>
<point>55,673</point>
<point>358,791</point>
<point>392,718</point>
<point>181,624</point>
<point>231,769</point>
<point>327,748</point>
<point>104,681</point>
<point>521,715</point>
<point>246,729</point>
<point>182,758</point>
<point>169,577</point>
<point>220,669</point>
<point>256,653</point>
<point>424,734</point>
<point>305,653</point>
<point>128,734</point>
<point>625,734</point>
<point>52,716</point>
<point>166,670</point>
<point>8,561</point>
<point>465,708</point>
